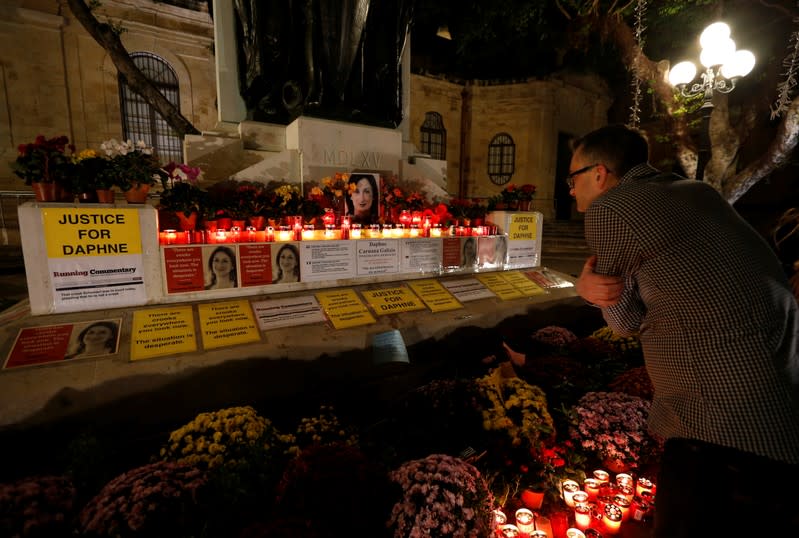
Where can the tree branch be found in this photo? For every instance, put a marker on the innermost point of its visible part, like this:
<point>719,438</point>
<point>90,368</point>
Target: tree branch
<point>109,40</point>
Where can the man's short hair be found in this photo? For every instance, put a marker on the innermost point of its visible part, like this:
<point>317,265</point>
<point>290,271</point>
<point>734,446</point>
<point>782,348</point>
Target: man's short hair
<point>617,146</point>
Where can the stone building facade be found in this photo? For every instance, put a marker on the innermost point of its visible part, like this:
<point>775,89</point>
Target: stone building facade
<point>55,79</point>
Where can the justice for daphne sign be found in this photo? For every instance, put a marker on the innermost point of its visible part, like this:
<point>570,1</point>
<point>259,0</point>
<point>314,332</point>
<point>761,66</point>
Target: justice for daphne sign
<point>94,257</point>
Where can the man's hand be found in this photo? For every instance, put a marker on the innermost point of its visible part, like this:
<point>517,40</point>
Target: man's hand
<point>601,290</point>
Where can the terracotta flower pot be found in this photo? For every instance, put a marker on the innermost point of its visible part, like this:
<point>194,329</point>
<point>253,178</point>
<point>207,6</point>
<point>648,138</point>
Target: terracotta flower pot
<point>258,222</point>
<point>137,194</point>
<point>211,225</point>
<point>524,205</point>
<point>532,499</point>
<point>44,192</point>
<point>105,196</point>
<point>224,223</point>
<point>186,224</point>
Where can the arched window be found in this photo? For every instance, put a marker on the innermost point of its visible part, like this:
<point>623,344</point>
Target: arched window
<point>140,121</point>
<point>434,136</point>
<point>501,158</point>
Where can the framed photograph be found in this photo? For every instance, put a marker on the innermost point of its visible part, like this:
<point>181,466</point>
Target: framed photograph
<point>362,202</point>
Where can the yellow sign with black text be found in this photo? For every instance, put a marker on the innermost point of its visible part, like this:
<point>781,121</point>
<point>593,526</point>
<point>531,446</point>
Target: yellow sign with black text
<point>522,226</point>
<point>162,331</point>
<point>227,324</point>
<point>79,232</point>
<point>392,300</point>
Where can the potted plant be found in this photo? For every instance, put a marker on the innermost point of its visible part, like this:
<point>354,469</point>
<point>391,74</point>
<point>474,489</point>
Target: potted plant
<point>135,168</point>
<point>45,165</point>
<point>182,196</point>
<point>83,176</point>
<point>613,425</point>
<point>526,195</point>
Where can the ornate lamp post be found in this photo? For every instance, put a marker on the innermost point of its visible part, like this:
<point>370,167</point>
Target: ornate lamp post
<point>723,67</point>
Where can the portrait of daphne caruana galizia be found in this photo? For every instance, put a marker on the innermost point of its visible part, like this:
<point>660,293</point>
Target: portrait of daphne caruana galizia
<point>93,339</point>
<point>220,268</point>
<point>286,267</point>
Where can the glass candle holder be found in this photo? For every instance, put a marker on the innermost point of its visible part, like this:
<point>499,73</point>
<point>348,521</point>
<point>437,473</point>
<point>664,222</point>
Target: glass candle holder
<point>643,484</point>
<point>355,231</point>
<point>285,233</point>
<point>624,479</point>
<point>569,488</point>
<point>580,497</point>
<point>611,517</point>
<point>435,230</point>
<point>509,531</point>
<point>525,520</point>
<point>582,517</point>
<point>499,518</point>
<point>591,487</point>
<point>624,503</point>
<point>574,533</point>
<point>602,476</point>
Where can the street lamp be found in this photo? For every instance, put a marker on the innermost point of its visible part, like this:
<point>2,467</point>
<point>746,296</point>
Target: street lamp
<point>724,66</point>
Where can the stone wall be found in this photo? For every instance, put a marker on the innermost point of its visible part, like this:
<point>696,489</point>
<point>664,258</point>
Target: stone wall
<point>55,79</point>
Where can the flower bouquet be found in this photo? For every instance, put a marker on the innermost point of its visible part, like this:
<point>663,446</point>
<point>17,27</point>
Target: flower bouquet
<point>441,496</point>
<point>182,194</point>
<point>552,336</point>
<point>323,429</point>
<point>514,409</point>
<point>134,167</point>
<point>158,499</point>
<point>37,506</point>
<point>612,425</point>
<point>45,165</point>
<point>221,437</point>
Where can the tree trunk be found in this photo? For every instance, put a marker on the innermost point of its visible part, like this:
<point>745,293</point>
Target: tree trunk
<point>725,138</point>
<point>107,38</point>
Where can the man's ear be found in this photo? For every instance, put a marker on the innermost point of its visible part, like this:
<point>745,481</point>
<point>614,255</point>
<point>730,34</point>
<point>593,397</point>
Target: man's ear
<point>604,178</point>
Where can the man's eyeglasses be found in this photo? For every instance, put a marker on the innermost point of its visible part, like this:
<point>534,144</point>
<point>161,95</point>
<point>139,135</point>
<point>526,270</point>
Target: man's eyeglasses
<point>572,175</point>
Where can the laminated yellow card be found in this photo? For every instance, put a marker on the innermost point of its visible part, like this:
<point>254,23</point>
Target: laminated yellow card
<point>227,324</point>
<point>162,331</point>
<point>392,300</point>
<point>523,284</point>
<point>344,308</point>
<point>434,295</point>
<point>501,287</point>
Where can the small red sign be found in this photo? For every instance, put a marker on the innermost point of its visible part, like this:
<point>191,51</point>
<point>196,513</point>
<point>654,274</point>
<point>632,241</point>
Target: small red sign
<point>451,256</point>
<point>38,345</point>
<point>256,264</point>
<point>184,269</point>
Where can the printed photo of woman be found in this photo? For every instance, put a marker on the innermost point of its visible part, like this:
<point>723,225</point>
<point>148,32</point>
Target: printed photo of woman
<point>221,272</point>
<point>287,265</point>
<point>469,252</point>
<point>363,202</point>
<point>97,338</point>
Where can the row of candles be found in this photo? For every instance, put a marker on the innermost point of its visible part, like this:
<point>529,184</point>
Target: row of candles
<point>308,232</point>
<point>600,504</point>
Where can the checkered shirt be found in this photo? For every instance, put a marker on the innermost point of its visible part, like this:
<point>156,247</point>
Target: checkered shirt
<point>718,323</point>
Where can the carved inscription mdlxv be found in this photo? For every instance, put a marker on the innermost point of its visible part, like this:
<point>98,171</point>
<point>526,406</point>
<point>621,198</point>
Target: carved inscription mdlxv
<point>360,159</point>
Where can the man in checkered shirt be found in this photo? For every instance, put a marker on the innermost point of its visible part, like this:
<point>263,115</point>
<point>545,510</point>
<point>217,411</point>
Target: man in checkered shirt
<point>719,327</point>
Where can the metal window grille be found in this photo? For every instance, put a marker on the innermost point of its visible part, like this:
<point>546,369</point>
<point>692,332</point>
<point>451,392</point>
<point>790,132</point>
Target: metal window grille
<point>501,159</point>
<point>140,121</point>
<point>434,136</point>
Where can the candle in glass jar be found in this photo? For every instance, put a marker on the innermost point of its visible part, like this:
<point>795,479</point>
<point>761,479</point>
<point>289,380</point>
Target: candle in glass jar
<point>644,484</point>
<point>355,232</point>
<point>284,234</point>
<point>622,502</point>
<point>624,479</point>
<point>308,232</point>
<point>539,534</point>
<point>582,517</point>
<point>580,497</point>
<point>602,476</point>
<point>435,230</point>
<point>569,488</point>
<point>611,517</point>
<point>591,487</point>
<point>270,233</point>
<point>171,237</point>
<point>509,531</point>
<point>525,520</point>
<point>574,533</point>
<point>499,517</point>
<point>345,227</point>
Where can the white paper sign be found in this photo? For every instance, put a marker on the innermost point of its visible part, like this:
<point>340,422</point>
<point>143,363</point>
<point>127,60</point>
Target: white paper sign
<point>377,257</point>
<point>277,313</point>
<point>97,281</point>
<point>522,254</point>
<point>467,289</point>
<point>327,260</point>
<point>421,255</point>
